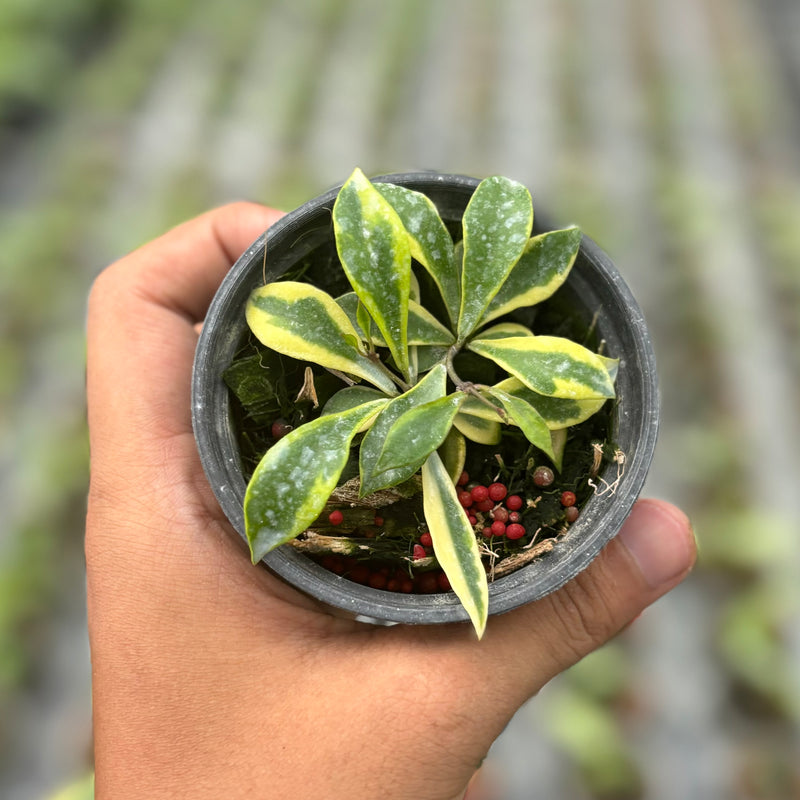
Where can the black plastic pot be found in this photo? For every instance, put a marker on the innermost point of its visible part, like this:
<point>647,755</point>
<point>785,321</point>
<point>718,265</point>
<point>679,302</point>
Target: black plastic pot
<point>596,289</point>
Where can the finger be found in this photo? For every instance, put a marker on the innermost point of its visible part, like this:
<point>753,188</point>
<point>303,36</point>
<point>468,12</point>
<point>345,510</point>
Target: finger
<point>142,312</point>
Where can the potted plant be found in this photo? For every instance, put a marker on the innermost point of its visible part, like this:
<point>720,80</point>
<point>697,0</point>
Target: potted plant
<point>385,340</point>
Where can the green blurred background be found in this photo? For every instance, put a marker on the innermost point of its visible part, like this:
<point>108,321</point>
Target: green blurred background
<point>668,129</point>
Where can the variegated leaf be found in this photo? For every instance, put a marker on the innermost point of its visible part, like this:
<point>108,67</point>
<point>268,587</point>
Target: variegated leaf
<point>423,327</point>
<point>478,430</point>
<point>557,412</point>
<point>350,397</point>
<point>497,223</point>
<point>294,479</point>
<point>429,357</point>
<point>303,322</point>
<point>453,453</point>
<point>527,418</point>
<point>550,365</point>
<point>505,329</point>
<point>431,387</point>
<point>429,239</point>
<point>454,542</point>
<point>541,269</point>
<point>418,432</point>
<point>373,248</point>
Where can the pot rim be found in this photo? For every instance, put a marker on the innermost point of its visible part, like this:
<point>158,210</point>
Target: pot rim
<point>636,418</point>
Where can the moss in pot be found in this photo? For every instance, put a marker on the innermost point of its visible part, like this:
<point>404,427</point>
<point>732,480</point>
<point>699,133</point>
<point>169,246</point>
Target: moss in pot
<point>440,369</point>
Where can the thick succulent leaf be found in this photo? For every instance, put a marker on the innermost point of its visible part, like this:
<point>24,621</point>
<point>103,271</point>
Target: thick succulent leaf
<point>431,387</point>
<point>541,269</point>
<point>429,357</point>
<point>419,432</point>
<point>557,412</point>
<point>453,453</point>
<point>294,479</point>
<point>423,327</point>
<point>303,322</point>
<point>527,418</point>
<point>550,365</point>
<point>350,397</point>
<point>429,239</point>
<point>454,542</point>
<point>505,329</point>
<point>476,429</point>
<point>497,223</point>
<point>558,441</point>
<point>373,248</point>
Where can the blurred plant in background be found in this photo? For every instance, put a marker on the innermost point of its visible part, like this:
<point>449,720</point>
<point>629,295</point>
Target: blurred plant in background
<point>668,129</point>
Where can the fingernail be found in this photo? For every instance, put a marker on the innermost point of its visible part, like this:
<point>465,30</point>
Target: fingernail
<point>659,538</point>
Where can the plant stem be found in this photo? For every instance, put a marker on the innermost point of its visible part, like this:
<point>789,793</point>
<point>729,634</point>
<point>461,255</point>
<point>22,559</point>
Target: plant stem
<point>396,379</point>
<point>468,387</point>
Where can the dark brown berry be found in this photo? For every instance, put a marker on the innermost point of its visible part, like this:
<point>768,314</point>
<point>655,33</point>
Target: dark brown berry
<point>543,476</point>
<point>280,428</point>
<point>571,513</point>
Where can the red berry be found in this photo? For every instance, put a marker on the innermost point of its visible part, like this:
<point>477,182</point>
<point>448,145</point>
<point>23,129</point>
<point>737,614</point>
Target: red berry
<point>568,499</point>
<point>497,491</point>
<point>377,581</point>
<point>484,506</point>
<point>359,573</point>
<point>500,514</point>
<point>514,502</point>
<point>498,528</point>
<point>463,478</point>
<point>543,476</point>
<point>426,540</point>
<point>514,516</point>
<point>406,586</point>
<point>515,531</point>
<point>465,498</point>
<point>393,585</point>
<point>487,532</point>
<point>443,581</point>
<point>418,552</point>
<point>379,521</point>
<point>280,428</point>
<point>427,583</point>
<point>336,517</point>
<point>571,513</point>
<point>472,519</point>
<point>479,493</point>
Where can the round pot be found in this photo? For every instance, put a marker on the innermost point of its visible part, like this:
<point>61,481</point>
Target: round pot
<point>598,293</point>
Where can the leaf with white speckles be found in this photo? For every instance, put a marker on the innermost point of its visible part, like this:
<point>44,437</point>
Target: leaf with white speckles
<point>497,224</point>
<point>296,476</point>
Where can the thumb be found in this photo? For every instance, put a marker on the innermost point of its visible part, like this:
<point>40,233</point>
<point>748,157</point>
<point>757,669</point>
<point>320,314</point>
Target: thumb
<point>652,553</point>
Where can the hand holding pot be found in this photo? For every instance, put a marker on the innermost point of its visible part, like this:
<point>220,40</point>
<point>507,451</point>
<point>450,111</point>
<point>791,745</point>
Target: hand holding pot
<point>211,677</point>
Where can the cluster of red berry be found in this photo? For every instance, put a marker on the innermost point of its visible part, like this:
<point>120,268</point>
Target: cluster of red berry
<point>388,578</point>
<point>486,509</point>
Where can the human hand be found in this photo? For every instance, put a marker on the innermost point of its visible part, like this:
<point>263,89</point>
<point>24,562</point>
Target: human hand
<point>211,677</point>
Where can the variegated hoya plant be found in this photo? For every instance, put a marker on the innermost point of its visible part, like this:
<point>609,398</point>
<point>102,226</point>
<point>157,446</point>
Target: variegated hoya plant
<point>402,398</point>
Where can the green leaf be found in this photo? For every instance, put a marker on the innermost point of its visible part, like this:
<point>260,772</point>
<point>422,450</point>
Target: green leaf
<point>373,248</point>
<point>418,432</point>
<point>550,365</point>
<point>431,387</point>
<point>478,430</point>
<point>423,327</point>
<point>430,241</point>
<point>304,322</point>
<point>541,269</point>
<point>294,479</point>
<point>557,412</point>
<point>350,397</point>
<point>505,329</point>
<point>527,418</point>
<point>429,357</point>
<point>497,223</point>
<point>454,542</point>
<point>453,453</point>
